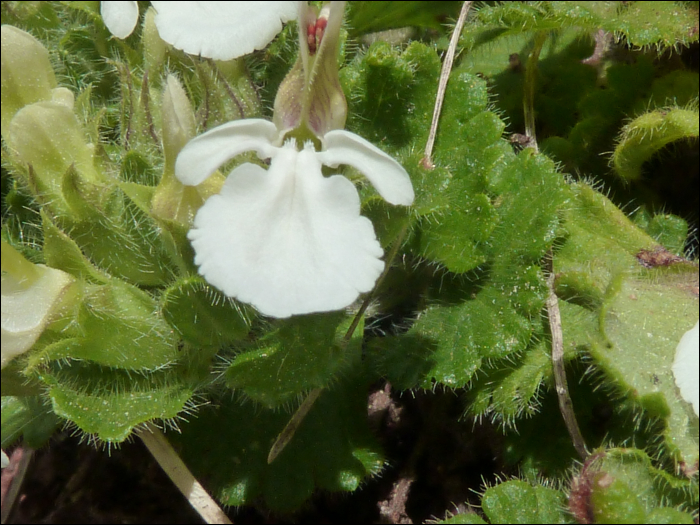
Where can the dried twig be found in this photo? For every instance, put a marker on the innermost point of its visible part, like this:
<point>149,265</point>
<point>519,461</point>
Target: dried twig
<point>14,475</point>
<point>290,429</point>
<point>427,160</point>
<point>565,405</point>
<point>181,476</point>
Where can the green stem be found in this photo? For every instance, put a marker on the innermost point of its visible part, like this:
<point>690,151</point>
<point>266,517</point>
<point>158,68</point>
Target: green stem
<point>529,88</point>
<point>145,102</point>
<point>220,76</point>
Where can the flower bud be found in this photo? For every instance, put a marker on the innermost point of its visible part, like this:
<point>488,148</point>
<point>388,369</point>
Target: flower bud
<point>154,48</point>
<point>27,76</point>
<point>178,120</point>
<point>47,137</point>
<point>172,200</point>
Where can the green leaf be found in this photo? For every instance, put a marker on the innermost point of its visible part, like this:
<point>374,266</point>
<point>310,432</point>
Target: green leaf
<point>490,210</point>
<point>385,78</point>
<point>510,390</point>
<point>118,325</point>
<point>62,252</point>
<point>644,320</point>
<point>670,231</point>
<point>601,241</point>
<point>302,353</point>
<point>519,502</point>
<point>664,24</point>
<point>668,515</point>
<point>621,486</point>
<point>109,404</point>
<point>613,501</point>
<point>580,325</point>
<point>647,134</point>
<point>203,316</point>
<point>391,94</point>
<point>332,449</point>
<point>28,417</point>
<point>532,194</point>
<point>448,343</point>
<point>641,313</point>
<point>364,17</point>
<point>124,241</point>
<point>643,23</point>
<point>456,239</point>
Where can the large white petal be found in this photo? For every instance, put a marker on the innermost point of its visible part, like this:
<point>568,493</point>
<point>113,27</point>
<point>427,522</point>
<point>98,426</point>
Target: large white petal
<point>287,240</point>
<point>203,155</point>
<point>386,175</point>
<point>120,17</point>
<point>221,30</point>
<point>685,366</point>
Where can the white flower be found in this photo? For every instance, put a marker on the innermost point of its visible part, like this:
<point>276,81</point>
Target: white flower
<point>218,30</point>
<point>287,239</point>
<point>686,364</point>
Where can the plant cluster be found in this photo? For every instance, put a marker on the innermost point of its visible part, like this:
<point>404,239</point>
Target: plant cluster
<point>108,324</point>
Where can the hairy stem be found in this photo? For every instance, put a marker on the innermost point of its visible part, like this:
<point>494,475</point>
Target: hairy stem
<point>145,102</point>
<point>529,88</point>
<point>127,114</point>
<point>219,75</point>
